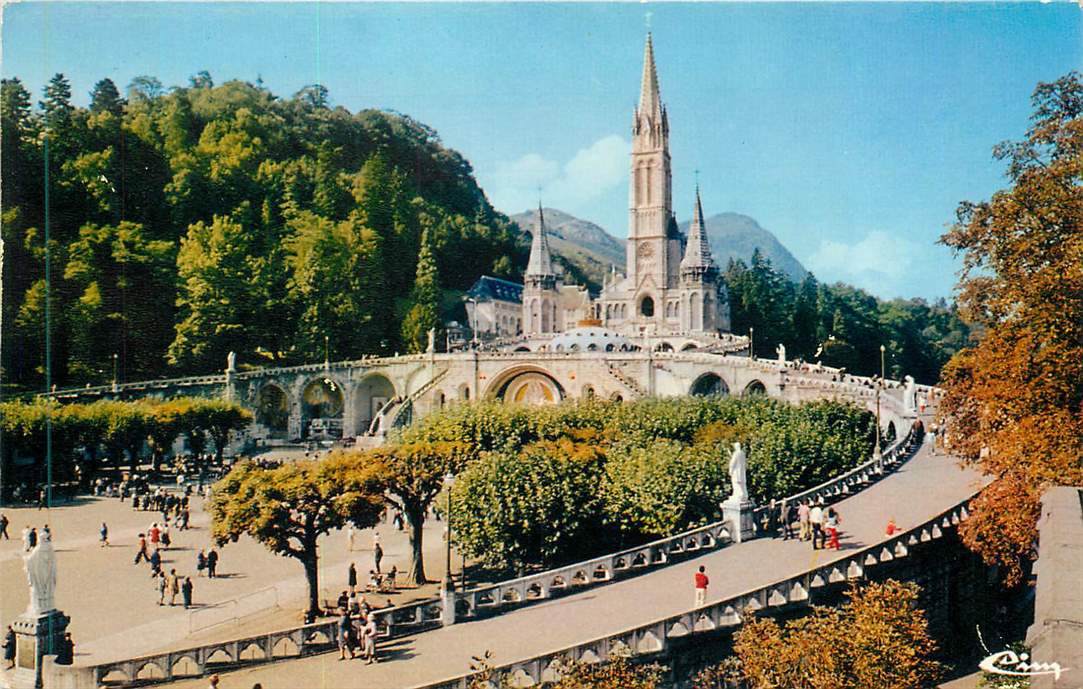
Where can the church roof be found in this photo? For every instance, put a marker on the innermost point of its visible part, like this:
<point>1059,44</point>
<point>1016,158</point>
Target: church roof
<point>488,288</point>
<point>697,253</point>
<point>541,262</point>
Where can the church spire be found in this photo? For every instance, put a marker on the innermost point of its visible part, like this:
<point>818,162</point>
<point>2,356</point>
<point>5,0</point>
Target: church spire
<point>540,264</point>
<point>650,98</point>
<point>697,254</point>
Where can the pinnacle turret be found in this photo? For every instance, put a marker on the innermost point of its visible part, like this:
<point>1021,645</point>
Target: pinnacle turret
<point>540,264</point>
<point>697,253</point>
<point>650,98</point>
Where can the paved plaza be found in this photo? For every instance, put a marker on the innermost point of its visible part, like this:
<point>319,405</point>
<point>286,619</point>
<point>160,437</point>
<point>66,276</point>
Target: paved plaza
<point>113,603</point>
<point>922,488</point>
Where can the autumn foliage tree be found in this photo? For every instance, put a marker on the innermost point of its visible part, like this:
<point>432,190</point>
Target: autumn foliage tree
<point>288,508</point>
<point>878,639</point>
<point>1014,400</point>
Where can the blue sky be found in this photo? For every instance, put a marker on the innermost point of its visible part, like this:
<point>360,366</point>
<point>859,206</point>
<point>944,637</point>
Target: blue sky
<point>850,131</point>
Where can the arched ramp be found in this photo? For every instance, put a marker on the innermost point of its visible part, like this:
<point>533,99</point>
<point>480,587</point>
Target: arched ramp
<point>526,385</point>
<point>709,384</point>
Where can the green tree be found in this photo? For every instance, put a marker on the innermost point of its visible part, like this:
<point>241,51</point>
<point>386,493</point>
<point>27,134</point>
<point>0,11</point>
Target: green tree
<point>106,98</point>
<point>414,474</point>
<point>424,315</point>
<point>288,508</point>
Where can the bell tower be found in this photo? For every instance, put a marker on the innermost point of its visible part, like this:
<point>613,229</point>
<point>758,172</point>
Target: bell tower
<point>651,190</point>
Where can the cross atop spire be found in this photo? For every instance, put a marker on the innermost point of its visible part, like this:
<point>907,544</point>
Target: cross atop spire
<point>540,264</point>
<point>650,98</point>
<point>697,254</point>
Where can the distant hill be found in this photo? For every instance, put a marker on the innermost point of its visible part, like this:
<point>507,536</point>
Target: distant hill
<point>733,235</point>
<point>588,251</point>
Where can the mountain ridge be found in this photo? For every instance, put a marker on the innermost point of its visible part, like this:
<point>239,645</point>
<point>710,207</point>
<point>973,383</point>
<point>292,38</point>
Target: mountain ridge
<point>588,251</point>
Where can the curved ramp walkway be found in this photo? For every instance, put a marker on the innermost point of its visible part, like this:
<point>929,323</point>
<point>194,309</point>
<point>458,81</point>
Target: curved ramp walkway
<point>924,487</point>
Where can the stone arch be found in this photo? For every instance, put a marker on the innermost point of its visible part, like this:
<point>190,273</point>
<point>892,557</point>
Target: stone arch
<point>646,306</point>
<point>891,432</point>
<point>616,397</point>
<point>709,384</point>
<point>526,384</point>
<point>464,392</point>
<point>441,399</point>
<point>663,347</point>
<point>756,387</point>
<point>322,406</point>
<point>371,394</point>
<point>273,409</point>
<point>522,348</point>
<point>588,392</point>
<point>689,347</point>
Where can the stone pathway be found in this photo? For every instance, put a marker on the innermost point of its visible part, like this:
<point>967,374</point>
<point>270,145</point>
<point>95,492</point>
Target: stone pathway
<point>925,486</point>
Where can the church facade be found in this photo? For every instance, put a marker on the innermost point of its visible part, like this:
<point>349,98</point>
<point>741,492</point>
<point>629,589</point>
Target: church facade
<point>671,284</point>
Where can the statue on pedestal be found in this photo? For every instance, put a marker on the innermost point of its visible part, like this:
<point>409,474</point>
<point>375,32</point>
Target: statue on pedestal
<point>432,341</point>
<point>911,394</point>
<point>40,565</point>
<point>231,361</point>
<point>738,478</point>
<point>781,351</point>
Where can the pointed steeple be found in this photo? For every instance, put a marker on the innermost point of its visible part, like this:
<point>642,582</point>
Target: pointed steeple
<point>540,264</point>
<point>697,254</point>
<point>650,98</point>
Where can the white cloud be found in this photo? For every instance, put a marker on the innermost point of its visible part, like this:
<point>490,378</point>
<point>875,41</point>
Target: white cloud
<point>591,172</point>
<point>880,263</point>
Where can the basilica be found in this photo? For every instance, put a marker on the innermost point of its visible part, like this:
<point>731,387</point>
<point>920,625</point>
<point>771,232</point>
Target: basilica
<point>672,286</point>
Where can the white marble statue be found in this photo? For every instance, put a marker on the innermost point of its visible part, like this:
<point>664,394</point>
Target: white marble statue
<point>911,394</point>
<point>432,341</point>
<point>231,361</point>
<point>40,565</point>
<point>738,479</point>
<point>781,351</point>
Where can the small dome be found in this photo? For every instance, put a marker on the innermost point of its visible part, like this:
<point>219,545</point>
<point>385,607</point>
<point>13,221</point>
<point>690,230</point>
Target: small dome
<point>590,339</point>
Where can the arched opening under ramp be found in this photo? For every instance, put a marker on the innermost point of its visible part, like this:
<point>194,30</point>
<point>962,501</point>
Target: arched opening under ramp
<point>689,347</point>
<point>756,387</point>
<point>709,384</point>
<point>321,409</point>
<point>527,385</point>
<point>663,347</point>
<point>373,393</point>
<point>273,410</point>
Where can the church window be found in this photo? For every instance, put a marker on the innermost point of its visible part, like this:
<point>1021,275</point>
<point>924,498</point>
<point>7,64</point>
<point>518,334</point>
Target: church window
<point>646,307</point>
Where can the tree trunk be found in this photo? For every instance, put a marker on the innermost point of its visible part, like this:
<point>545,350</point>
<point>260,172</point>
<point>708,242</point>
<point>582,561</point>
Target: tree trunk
<point>415,519</point>
<point>312,575</point>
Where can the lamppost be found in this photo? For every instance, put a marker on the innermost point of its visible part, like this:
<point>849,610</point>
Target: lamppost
<point>114,371</point>
<point>326,351</point>
<point>879,387</point>
<point>751,342</point>
<point>448,589</point>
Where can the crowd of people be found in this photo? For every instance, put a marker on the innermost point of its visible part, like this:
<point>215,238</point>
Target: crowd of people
<point>815,522</point>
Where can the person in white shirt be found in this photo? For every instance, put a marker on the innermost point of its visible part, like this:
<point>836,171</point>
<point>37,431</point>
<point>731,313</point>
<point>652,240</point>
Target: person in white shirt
<point>816,519</point>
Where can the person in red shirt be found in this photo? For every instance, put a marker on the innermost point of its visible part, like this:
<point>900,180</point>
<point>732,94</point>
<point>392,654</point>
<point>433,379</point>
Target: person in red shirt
<point>891,529</point>
<point>701,586</point>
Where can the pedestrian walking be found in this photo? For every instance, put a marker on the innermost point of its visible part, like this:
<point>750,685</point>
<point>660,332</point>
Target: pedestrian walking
<point>32,538</point>
<point>46,533</point>
<point>368,635</point>
<point>141,550</point>
<point>345,641</point>
<point>351,536</point>
<point>212,563</point>
<point>25,535</point>
<point>173,582</point>
<point>9,648</point>
<point>103,535</point>
<point>816,520</point>
<point>4,526</point>
<point>789,514</point>
<point>377,554</point>
<point>213,682</point>
<point>155,562</point>
<point>831,523</point>
<point>701,582</point>
<point>166,541</point>
<point>65,652</point>
<point>802,520</point>
<point>155,534</point>
<point>351,577</point>
<point>186,592</point>
<point>201,562</point>
<point>160,584</point>
<point>891,529</point>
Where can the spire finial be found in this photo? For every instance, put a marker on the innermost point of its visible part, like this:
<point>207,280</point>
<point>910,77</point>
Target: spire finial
<point>650,99</point>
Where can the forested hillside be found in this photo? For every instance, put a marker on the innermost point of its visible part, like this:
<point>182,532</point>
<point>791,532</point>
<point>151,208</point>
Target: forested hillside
<point>841,325</point>
<point>190,222</point>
